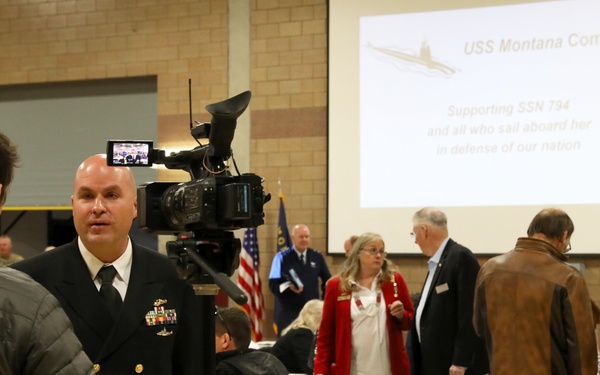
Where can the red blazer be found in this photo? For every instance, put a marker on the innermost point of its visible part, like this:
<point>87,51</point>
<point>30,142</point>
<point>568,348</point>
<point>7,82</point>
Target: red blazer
<point>334,343</point>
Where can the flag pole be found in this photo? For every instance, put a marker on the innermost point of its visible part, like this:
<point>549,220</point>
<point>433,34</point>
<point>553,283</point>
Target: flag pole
<point>279,186</point>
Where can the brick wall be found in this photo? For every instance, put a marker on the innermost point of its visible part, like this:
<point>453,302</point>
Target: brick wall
<point>289,117</point>
<point>93,39</point>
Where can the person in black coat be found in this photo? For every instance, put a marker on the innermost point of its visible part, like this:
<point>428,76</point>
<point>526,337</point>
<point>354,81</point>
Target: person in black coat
<point>294,346</point>
<point>442,337</point>
<point>150,324</point>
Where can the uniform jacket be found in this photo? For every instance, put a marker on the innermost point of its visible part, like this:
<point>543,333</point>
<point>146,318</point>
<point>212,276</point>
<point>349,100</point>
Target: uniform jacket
<point>12,258</point>
<point>130,344</point>
<point>287,303</point>
<point>447,334</point>
<point>334,341</point>
<point>535,313</point>
<point>36,337</point>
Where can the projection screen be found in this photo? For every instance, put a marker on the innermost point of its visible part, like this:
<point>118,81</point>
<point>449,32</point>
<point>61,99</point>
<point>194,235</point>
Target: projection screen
<point>487,110</point>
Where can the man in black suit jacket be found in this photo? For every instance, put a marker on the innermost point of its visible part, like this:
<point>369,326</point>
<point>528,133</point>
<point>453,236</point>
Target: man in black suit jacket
<point>442,339</point>
<point>156,330</point>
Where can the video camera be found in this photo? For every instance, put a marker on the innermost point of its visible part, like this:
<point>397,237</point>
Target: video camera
<point>209,205</point>
<point>201,212</point>
<point>213,199</point>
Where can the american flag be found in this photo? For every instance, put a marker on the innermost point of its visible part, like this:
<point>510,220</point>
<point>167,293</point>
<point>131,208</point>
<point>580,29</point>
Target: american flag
<point>249,282</point>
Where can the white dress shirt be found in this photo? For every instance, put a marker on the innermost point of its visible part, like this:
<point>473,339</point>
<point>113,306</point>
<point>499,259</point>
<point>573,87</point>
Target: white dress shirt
<point>122,265</point>
<point>432,263</point>
<point>370,347</point>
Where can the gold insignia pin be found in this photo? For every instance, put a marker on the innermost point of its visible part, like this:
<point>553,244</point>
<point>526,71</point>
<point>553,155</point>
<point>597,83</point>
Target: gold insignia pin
<point>164,332</point>
<point>159,302</point>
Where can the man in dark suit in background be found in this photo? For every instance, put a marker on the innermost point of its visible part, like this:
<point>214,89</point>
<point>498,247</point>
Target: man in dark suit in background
<point>143,321</point>
<point>442,338</point>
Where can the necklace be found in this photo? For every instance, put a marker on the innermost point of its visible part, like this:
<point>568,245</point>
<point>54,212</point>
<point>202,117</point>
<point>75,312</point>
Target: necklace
<point>372,309</point>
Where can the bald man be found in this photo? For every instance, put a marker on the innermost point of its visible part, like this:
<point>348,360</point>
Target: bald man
<point>7,257</point>
<point>348,244</point>
<point>143,321</point>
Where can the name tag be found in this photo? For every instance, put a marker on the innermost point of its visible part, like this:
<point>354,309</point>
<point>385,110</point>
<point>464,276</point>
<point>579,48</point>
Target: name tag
<point>441,288</point>
<point>344,297</point>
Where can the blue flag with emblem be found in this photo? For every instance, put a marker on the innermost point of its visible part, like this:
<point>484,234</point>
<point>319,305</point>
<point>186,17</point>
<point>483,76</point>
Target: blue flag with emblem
<point>283,234</point>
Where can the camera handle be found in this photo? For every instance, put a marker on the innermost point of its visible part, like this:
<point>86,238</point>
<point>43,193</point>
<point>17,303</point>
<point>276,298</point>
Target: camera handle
<point>232,290</point>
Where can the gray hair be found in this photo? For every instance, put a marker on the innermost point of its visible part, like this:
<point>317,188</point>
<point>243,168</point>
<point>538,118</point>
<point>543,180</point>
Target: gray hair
<point>431,216</point>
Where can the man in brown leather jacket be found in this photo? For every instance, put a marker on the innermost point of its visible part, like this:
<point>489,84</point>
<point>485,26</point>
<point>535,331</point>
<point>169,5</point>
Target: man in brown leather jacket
<point>533,308</point>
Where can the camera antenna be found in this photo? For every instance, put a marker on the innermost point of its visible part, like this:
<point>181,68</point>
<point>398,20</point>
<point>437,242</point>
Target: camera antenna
<point>190,99</point>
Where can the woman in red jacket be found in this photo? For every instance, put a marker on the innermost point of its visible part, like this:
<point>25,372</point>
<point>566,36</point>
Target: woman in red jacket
<point>366,309</point>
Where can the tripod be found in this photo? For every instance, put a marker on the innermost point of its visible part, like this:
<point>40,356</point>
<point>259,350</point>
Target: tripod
<point>219,250</point>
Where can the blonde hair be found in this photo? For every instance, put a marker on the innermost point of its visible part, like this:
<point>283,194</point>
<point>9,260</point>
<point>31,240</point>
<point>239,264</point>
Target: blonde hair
<point>351,267</point>
<point>309,317</point>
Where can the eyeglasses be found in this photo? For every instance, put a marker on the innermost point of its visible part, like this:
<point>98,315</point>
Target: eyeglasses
<point>413,235</point>
<point>222,321</point>
<point>373,251</point>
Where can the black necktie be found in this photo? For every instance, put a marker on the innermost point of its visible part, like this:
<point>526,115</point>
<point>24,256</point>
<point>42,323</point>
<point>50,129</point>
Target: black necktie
<point>108,292</point>
<point>302,259</point>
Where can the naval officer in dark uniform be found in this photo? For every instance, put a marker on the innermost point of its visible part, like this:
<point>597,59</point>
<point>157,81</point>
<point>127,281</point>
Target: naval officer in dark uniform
<point>128,307</point>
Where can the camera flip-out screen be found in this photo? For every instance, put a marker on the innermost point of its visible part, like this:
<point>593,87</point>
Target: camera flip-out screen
<point>129,153</point>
